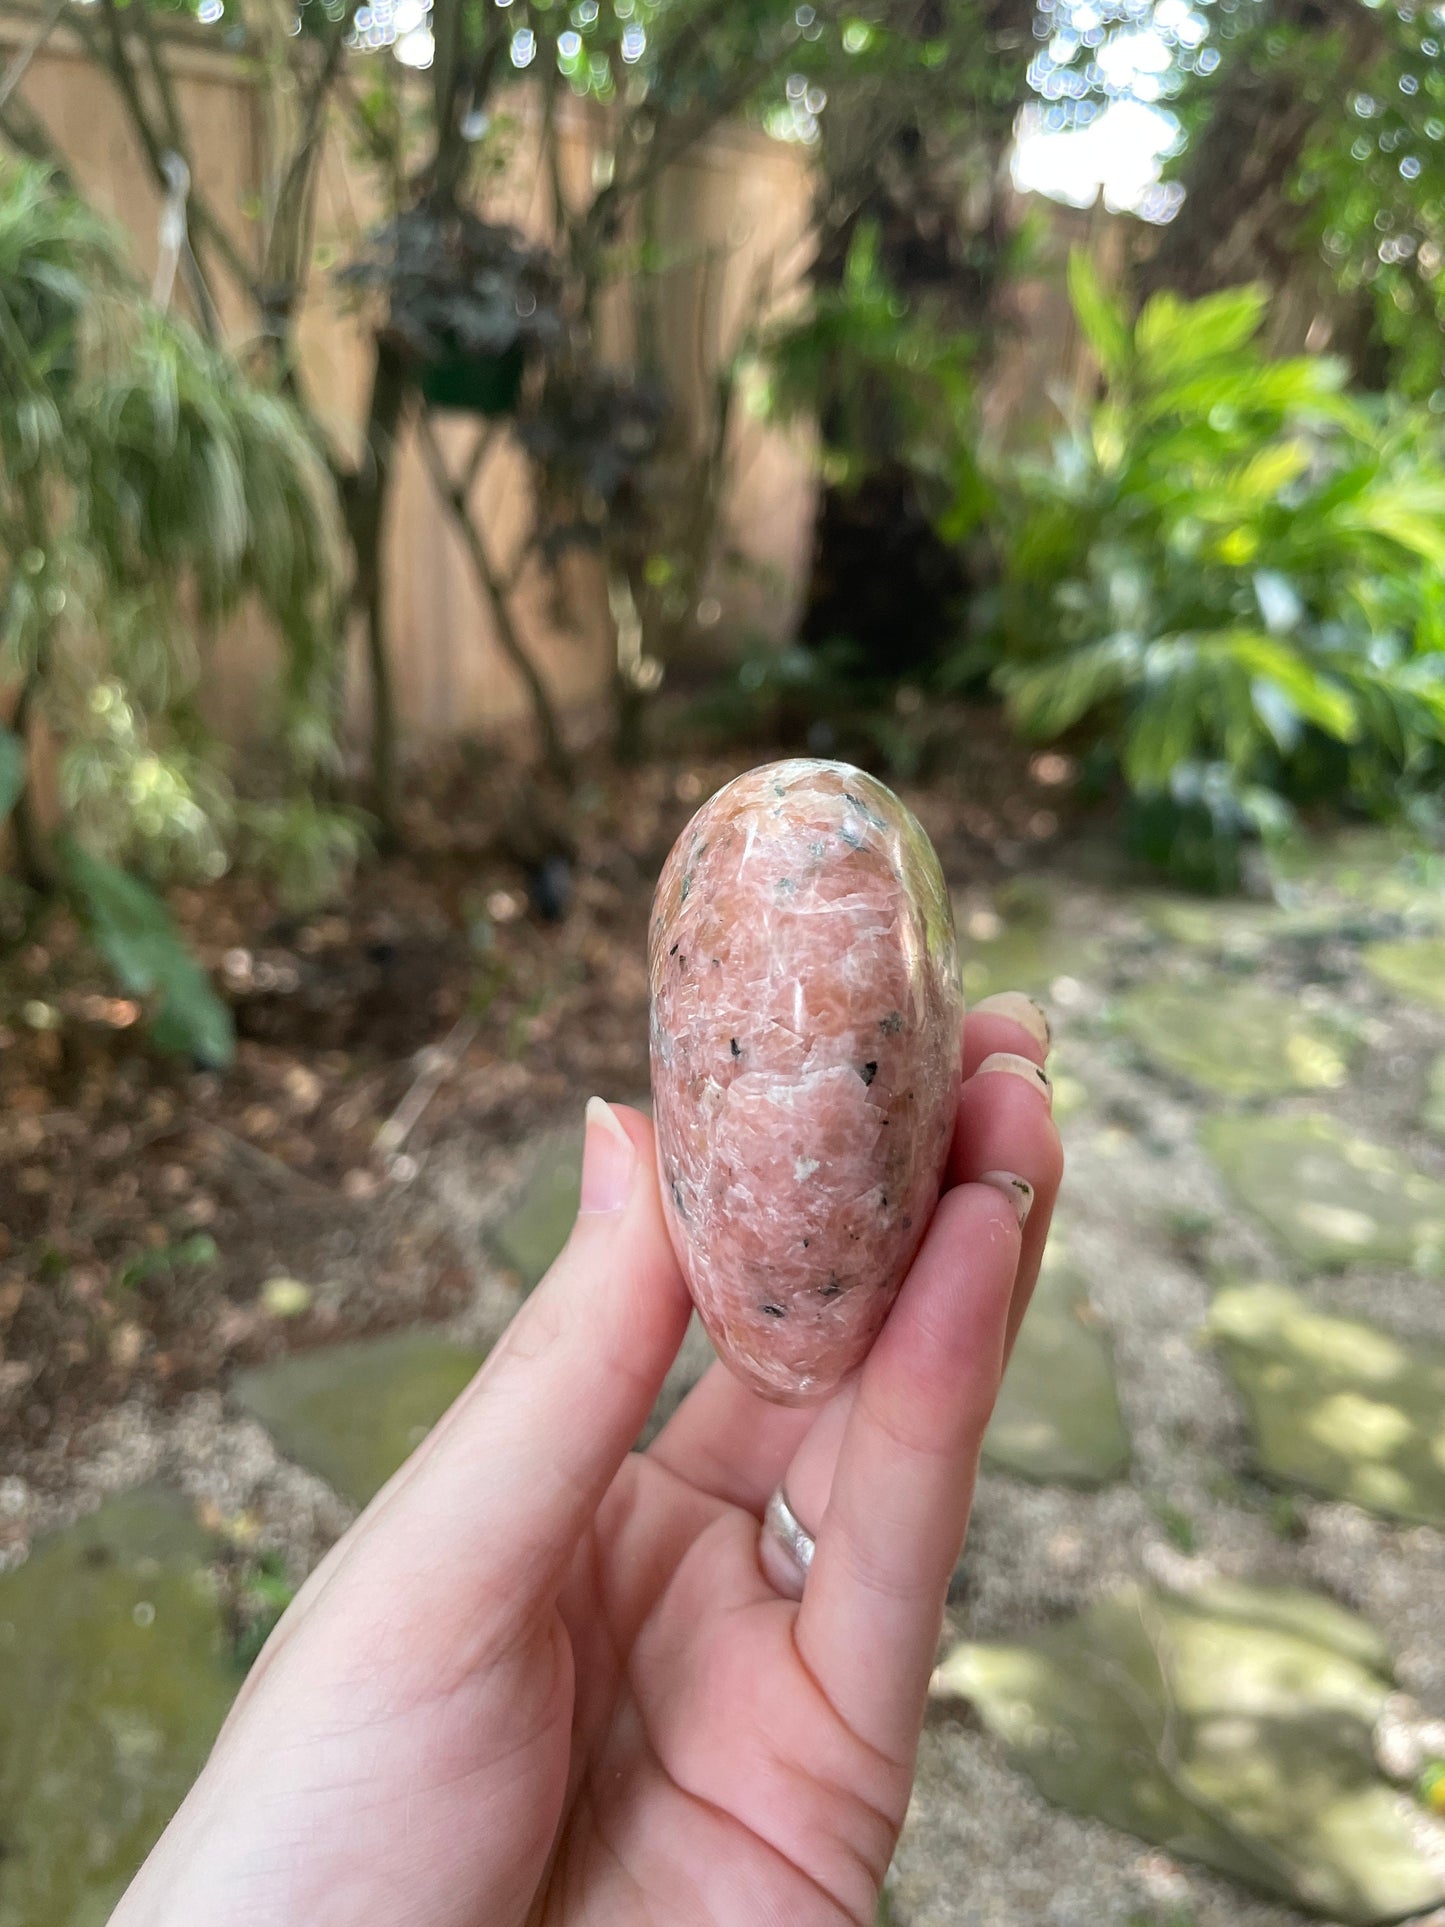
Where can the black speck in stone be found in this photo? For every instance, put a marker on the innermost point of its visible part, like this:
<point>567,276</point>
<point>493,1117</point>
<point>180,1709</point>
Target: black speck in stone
<point>737,1048</point>
<point>676,1184</point>
<point>831,1289</point>
<point>673,951</point>
<point>891,1024</point>
<point>868,1073</point>
<point>806,1243</point>
<point>883,1201</point>
<point>868,815</point>
<point>773,1311</point>
<point>686,887</point>
<point>851,838</point>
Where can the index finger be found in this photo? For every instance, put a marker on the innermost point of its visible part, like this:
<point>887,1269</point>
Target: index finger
<point>481,1523</point>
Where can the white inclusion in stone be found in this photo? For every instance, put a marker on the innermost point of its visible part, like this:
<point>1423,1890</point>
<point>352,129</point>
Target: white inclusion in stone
<point>804,1168</point>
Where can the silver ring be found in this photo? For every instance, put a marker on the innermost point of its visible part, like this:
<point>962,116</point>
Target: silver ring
<point>785,1547</point>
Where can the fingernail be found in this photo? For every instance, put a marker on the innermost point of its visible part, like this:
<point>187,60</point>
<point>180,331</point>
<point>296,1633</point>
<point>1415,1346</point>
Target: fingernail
<point>608,1160</point>
<point>1015,1066</point>
<point>1018,1191</point>
<point>1019,1010</point>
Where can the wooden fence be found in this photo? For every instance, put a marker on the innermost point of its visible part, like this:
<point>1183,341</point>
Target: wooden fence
<point>733,218</point>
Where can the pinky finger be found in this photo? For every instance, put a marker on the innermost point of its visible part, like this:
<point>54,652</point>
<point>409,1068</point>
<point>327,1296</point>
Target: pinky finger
<point>868,1625</point>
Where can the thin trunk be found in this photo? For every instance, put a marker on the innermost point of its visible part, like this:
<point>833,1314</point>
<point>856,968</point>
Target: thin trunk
<point>497,594</point>
<point>629,684</point>
<point>1241,219</point>
<point>15,72</point>
<point>364,497</point>
<point>32,849</point>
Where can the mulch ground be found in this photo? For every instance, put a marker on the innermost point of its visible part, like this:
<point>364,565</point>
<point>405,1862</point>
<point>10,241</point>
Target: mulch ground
<point>484,981</point>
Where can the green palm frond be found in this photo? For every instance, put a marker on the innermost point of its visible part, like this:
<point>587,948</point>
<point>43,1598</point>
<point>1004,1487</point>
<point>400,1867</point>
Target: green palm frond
<point>1231,566</point>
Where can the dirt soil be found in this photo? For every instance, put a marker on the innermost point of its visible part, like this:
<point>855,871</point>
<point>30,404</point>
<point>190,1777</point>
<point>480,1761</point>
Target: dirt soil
<point>486,981</point>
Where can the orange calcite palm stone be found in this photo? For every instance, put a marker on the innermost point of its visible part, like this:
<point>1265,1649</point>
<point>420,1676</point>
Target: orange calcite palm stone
<point>806,1025</point>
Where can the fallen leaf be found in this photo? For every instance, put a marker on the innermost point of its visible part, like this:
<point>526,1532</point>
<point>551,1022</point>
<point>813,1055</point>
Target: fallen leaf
<point>286,1297</point>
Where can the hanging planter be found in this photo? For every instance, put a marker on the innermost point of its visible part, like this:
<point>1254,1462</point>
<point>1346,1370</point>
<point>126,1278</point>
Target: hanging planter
<point>476,383</point>
<point>468,304</point>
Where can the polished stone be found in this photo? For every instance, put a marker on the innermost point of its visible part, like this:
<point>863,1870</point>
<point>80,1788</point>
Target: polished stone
<point>805,1023</point>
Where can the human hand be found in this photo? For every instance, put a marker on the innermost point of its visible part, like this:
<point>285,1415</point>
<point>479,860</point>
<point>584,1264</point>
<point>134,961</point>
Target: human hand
<point>544,1679</point>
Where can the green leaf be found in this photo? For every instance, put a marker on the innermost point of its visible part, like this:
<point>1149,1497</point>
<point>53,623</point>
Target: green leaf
<point>1265,474</point>
<point>1174,336</point>
<point>1410,514</point>
<point>12,770</point>
<point>1318,699</point>
<point>1101,317</point>
<point>133,931</point>
<point>1049,697</point>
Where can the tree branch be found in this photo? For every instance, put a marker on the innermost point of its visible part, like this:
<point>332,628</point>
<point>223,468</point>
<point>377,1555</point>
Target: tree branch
<point>552,156</point>
<point>496,592</point>
<point>16,71</point>
<point>288,243</point>
<point>26,132</point>
<point>114,57</point>
<point>487,439</point>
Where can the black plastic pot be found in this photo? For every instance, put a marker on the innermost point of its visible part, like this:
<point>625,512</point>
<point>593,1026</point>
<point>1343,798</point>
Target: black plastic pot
<point>475,384</point>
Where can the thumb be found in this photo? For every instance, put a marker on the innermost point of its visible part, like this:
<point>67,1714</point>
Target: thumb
<point>477,1529</point>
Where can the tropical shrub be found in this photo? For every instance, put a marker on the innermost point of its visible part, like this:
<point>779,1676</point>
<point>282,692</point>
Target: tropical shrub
<point>1232,572</point>
<point>147,488</point>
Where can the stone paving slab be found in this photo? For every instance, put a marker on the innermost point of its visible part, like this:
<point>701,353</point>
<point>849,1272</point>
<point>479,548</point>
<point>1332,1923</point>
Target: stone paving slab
<point>1414,968</point>
<point>1233,1726</point>
<point>353,1413</point>
<point>1432,1115</point>
<point>1336,1405</point>
<point>114,1680</point>
<point>1058,1416</point>
<point>1247,1042</point>
<point>539,1223</point>
<point>1331,1199</point>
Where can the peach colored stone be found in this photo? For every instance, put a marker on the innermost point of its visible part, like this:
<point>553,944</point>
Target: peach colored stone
<point>806,1023</point>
